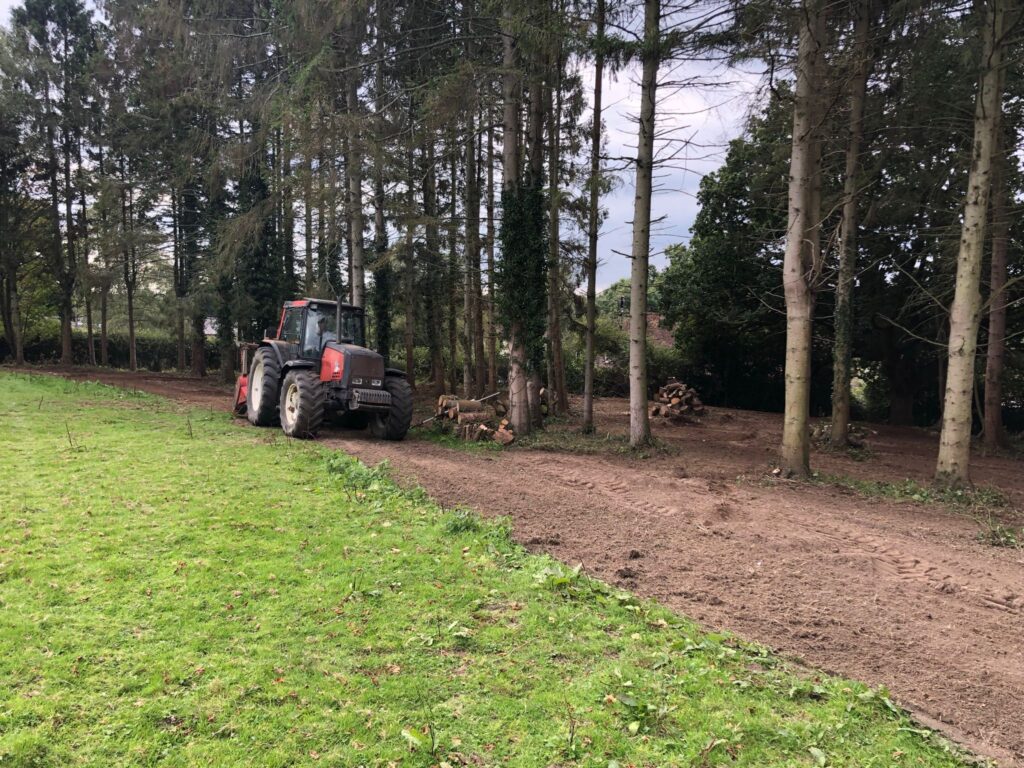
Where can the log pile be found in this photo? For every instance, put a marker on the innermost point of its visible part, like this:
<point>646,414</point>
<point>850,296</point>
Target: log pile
<point>475,419</point>
<point>677,402</point>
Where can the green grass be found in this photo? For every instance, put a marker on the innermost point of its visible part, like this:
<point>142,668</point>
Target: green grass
<point>979,499</point>
<point>558,438</point>
<point>178,590</point>
<point>436,433</point>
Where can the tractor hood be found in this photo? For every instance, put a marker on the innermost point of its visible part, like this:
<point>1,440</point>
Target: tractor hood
<point>363,367</point>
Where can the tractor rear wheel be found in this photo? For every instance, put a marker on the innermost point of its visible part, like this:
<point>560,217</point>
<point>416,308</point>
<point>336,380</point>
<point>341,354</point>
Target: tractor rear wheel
<point>394,424</point>
<point>302,404</point>
<point>261,401</point>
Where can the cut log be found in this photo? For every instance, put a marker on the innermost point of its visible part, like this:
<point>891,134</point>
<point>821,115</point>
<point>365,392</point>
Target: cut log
<point>503,436</point>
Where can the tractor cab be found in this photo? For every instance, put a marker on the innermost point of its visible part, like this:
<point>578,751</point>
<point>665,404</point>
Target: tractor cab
<point>310,324</point>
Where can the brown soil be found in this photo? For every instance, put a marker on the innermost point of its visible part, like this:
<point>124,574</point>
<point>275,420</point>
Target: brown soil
<point>894,594</point>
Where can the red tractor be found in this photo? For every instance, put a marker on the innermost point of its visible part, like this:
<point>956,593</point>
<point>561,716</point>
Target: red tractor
<point>317,364</point>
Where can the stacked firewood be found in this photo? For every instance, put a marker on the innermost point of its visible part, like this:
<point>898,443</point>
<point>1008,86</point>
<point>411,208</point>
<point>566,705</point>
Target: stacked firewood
<point>475,419</point>
<point>677,402</point>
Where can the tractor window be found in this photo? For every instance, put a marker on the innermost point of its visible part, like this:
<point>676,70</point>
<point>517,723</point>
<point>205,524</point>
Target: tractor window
<point>352,327</point>
<point>319,329</point>
<point>291,330</point>
<point>321,326</point>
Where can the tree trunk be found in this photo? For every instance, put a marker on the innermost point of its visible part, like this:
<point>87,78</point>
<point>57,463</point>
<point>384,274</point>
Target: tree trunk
<point>382,270</point>
<point>357,264</point>
<point>475,364</point>
<point>12,315</point>
<point>86,279</point>
<point>179,285</point>
<point>533,340</point>
<point>994,430</point>
<point>17,329</point>
<point>227,361</point>
<point>410,307</point>
<point>179,335</point>
<point>324,255</point>
<point>848,228</point>
<point>432,241</point>
<point>802,242</point>
<point>66,314</point>
<point>198,346</point>
<point>592,223</point>
<point>288,212</point>
<point>307,205</point>
<point>454,374</point>
<point>953,465</point>
<point>355,179</point>
<point>133,362</point>
<point>492,326</point>
<point>476,283</point>
<point>104,320</point>
<point>105,255</point>
<point>90,338</point>
<point>127,264</point>
<point>409,272</point>
<point>519,403</point>
<point>639,422</point>
<point>560,402</point>
<point>68,278</point>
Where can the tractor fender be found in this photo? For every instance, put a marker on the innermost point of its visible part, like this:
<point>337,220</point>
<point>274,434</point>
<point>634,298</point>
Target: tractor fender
<point>292,365</point>
<point>283,360</point>
<point>394,372</point>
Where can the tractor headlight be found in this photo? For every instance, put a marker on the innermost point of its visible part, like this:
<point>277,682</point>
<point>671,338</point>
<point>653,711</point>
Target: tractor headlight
<point>357,382</point>
<point>376,382</point>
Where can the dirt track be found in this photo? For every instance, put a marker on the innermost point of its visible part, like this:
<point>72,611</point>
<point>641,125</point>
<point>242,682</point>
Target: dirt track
<point>900,595</point>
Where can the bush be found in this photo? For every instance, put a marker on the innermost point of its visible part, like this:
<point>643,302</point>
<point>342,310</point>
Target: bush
<point>611,371</point>
<point>154,352</point>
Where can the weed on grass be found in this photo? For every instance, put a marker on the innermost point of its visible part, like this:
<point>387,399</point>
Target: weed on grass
<point>997,534</point>
<point>225,600</point>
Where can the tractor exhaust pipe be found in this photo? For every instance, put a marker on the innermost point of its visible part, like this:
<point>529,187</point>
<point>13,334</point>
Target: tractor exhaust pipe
<point>337,310</point>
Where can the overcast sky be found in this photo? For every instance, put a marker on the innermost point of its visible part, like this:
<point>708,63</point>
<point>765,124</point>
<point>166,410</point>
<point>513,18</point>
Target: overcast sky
<point>702,119</point>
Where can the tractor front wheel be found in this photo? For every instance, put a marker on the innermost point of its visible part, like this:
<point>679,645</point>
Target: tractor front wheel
<point>394,424</point>
<point>262,396</point>
<point>302,404</point>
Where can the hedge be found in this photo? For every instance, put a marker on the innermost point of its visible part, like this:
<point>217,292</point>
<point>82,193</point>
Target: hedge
<point>154,352</point>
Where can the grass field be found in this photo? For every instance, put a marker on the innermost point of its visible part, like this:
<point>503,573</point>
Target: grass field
<point>177,590</point>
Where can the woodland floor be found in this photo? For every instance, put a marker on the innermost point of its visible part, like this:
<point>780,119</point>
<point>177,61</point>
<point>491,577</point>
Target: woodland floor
<point>892,592</point>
